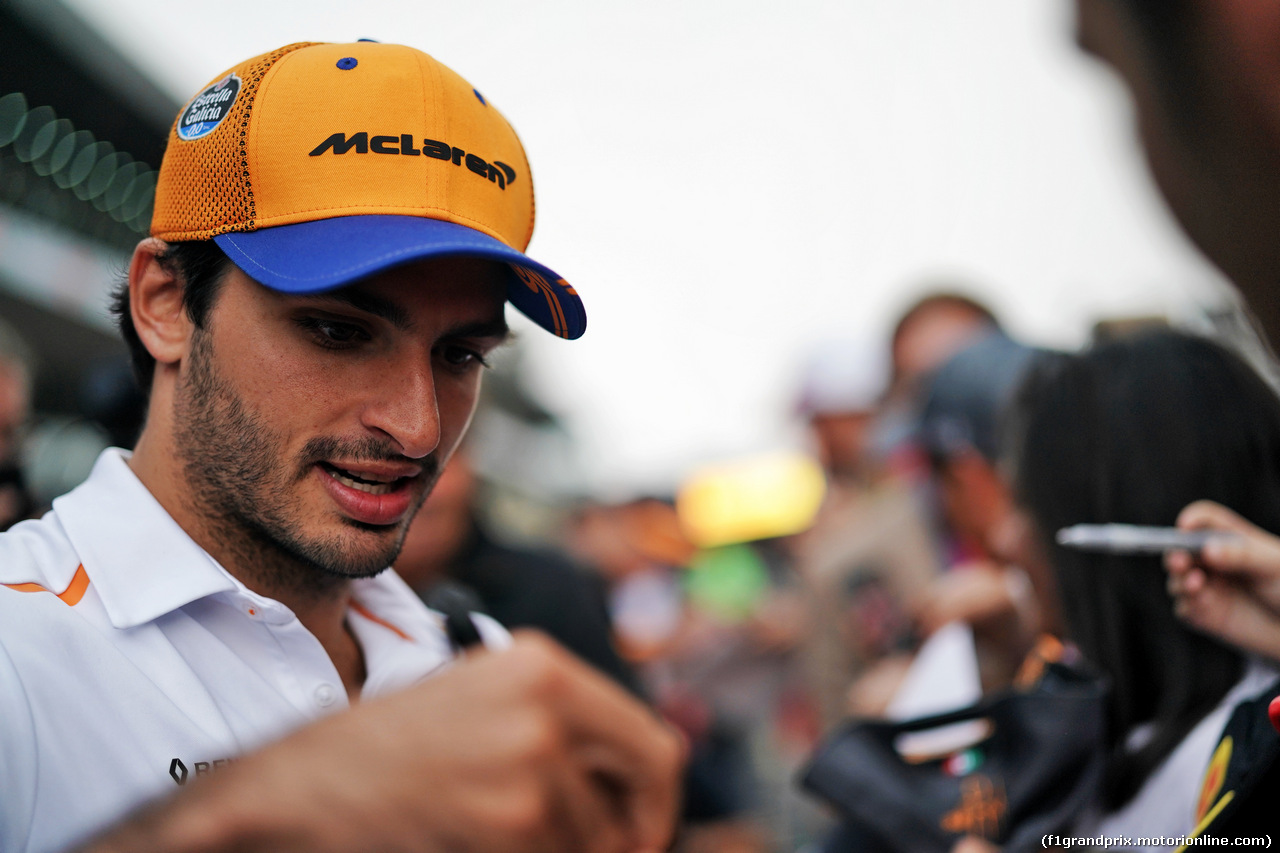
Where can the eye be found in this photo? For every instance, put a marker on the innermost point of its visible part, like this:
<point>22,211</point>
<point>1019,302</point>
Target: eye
<point>462,358</point>
<point>334,334</point>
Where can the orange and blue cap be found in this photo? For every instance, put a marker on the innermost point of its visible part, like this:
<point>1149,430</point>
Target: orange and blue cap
<point>316,165</point>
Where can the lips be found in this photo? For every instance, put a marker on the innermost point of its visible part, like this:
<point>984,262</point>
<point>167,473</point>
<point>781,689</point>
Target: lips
<point>351,481</point>
<point>378,495</point>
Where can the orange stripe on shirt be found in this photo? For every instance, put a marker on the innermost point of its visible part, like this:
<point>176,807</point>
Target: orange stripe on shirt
<point>70,596</point>
<point>364,611</point>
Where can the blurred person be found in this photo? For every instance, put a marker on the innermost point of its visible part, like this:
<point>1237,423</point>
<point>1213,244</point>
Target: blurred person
<point>840,390</point>
<point>1203,80</point>
<point>931,330</point>
<point>448,551</point>
<point>964,402</point>
<point>110,397</point>
<point>639,550</point>
<point>870,551</point>
<point>728,668</point>
<point>699,668</point>
<point>16,368</point>
<point>1202,75</point>
<point>310,319</point>
<point>1128,432</point>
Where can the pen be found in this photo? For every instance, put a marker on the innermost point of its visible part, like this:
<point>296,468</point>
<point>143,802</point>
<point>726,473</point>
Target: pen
<point>1135,539</point>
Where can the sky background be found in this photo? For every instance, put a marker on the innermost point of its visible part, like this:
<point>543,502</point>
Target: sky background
<point>729,185</point>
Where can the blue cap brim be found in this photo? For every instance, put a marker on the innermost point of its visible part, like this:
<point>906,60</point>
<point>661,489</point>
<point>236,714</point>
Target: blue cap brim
<point>311,257</point>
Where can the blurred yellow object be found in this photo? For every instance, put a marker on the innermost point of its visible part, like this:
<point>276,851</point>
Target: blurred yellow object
<point>756,498</point>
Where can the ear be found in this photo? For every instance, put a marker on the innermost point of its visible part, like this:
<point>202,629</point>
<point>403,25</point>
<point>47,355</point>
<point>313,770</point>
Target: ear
<point>155,302</point>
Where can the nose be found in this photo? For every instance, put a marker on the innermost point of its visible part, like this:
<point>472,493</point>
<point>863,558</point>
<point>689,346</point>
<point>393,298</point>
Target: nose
<point>405,410</point>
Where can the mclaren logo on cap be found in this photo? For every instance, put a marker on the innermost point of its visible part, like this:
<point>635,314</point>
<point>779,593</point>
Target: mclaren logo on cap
<point>362,143</point>
<point>208,109</point>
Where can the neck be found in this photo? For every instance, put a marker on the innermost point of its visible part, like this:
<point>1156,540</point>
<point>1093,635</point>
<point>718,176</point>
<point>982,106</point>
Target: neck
<point>320,600</point>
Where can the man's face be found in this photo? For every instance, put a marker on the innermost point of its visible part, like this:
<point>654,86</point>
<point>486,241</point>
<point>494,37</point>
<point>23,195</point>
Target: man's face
<point>318,424</point>
<point>842,440</point>
<point>1210,126</point>
<point>933,336</point>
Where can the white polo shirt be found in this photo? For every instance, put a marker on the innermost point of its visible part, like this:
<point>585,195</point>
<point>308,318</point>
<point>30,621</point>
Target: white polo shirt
<point>132,663</point>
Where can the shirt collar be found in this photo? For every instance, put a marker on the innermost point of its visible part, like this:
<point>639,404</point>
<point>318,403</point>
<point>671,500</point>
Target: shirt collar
<point>402,640</point>
<point>141,562</point>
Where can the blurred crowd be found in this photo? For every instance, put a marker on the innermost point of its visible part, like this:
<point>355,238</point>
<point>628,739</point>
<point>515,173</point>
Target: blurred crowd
<point>897,635</point>
<point>901,565</point>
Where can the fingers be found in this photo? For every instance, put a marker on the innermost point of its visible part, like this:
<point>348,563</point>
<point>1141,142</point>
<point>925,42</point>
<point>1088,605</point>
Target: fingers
<point>525,750</point>
<point>1251,551</point>
<point>1223,610</point>
<point>584,806</point>
<point>1256,554</point>
<point>1185,577</point>
<point>1177,562</point>
<point>1209,514</point>
<point>633,758</point>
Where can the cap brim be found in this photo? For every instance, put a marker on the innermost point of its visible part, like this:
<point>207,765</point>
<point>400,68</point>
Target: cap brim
<point>311,257</point>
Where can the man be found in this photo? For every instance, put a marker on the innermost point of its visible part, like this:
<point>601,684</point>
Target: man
<point>15,411</point>
<point>962,407</point>
<point>930,331</point>
<point>336,230</point>
<point>1203,76</point>
<point>870,550</point>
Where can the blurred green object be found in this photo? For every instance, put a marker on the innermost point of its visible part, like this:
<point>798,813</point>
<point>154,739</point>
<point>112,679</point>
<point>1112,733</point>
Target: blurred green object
<point>727,582</point>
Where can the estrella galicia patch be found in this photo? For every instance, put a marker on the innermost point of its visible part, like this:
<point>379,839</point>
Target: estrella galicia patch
<point>207,110</point>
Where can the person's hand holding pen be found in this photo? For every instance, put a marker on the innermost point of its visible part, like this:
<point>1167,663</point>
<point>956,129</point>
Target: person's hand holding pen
<point>1231,587</point>
<point>523,750</point>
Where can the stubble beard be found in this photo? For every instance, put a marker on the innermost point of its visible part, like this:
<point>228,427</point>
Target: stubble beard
<point>246,492</point>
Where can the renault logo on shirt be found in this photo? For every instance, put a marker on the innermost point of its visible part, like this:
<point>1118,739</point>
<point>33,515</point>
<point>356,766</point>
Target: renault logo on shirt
<point>179,773</point>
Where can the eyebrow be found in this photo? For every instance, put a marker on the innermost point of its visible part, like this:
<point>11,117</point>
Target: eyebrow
<point>396,315</point>
<point>371,303</point>
<point>496,329</point>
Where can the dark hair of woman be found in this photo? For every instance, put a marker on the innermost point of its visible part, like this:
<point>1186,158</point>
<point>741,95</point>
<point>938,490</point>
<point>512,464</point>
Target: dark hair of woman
<point>1132,431</point>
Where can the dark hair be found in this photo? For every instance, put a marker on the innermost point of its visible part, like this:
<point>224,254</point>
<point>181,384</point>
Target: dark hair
<point>1133,431</point>
<point>201,265</point>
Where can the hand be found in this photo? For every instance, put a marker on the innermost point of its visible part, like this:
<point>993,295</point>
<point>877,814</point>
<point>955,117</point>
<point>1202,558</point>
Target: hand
<point>978,593</point>
<point>1231,589</point>
<point>521,750</point>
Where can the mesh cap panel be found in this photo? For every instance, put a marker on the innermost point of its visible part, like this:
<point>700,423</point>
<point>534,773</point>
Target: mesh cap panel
<point>205,187</point>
